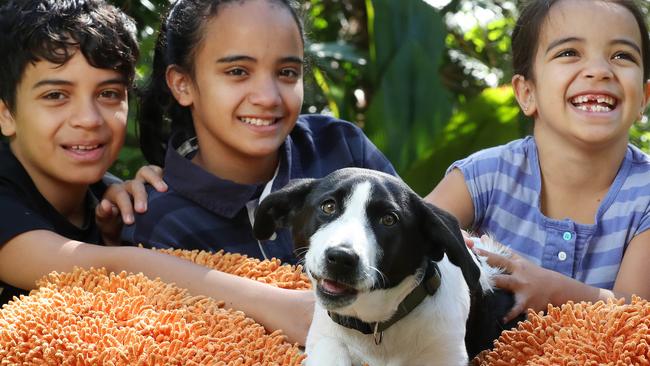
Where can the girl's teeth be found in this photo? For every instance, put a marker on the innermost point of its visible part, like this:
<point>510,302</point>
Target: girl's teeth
<point>257,121</point>
<point>593,108</point>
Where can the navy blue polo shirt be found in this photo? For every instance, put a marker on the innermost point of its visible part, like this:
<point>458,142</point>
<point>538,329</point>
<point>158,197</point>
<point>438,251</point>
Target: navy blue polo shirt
<point>202,211</point>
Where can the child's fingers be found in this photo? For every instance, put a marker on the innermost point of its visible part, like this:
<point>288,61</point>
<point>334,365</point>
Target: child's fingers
<point>516,309</point>
<point>120,198</point>
<point>105,210</point>
<point>137,189</point>
<point>496,260</point>
<point>152,174</point>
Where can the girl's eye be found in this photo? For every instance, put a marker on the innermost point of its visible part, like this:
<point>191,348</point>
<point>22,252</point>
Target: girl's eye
<point>624,56</point>
<point>389,219</point>
<point>328,207</point>
<point>567,53</point>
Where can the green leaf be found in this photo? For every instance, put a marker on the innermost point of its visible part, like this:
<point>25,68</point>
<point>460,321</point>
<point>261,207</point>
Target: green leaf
<point>490,119</point>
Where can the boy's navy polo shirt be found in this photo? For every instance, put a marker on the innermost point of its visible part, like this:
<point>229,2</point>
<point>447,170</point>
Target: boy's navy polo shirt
<point>202,211</point>
<point>23,208</point>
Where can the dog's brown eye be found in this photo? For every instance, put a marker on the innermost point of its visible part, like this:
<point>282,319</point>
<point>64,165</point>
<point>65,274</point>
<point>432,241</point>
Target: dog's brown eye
<point>389,219</point>
<point>329,207</point>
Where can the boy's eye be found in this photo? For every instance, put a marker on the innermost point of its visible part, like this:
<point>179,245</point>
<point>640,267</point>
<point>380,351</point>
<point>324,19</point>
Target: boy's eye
<point>54,95</point>
<point>111,94</point>
<point>236,72</point>
<point>290,73</point>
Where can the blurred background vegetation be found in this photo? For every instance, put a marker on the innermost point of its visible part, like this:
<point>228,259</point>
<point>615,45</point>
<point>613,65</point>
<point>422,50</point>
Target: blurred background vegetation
<point>427,80</point>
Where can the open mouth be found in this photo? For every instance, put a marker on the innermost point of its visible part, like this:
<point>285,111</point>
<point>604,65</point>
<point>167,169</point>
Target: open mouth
<point>598,103</point>
<point>260,122</point>
<point>82,148</point>
<point>335,289</point>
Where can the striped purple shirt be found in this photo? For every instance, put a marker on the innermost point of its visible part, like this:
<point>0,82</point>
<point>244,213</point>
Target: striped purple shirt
<point>504,183</point>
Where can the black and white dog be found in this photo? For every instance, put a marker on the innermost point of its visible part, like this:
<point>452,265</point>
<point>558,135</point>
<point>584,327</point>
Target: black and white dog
<point>394,280</point>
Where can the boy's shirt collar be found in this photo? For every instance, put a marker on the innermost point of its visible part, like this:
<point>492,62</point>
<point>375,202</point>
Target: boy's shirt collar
<point>24,188</point>
<point>221,196</point>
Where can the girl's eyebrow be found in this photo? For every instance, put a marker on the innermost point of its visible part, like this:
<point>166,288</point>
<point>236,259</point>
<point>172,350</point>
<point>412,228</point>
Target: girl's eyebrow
<point>235,58</point>
<point>627,42</point>
<point>61,82</point>
<point>560,41</point>
<point>624,41</point>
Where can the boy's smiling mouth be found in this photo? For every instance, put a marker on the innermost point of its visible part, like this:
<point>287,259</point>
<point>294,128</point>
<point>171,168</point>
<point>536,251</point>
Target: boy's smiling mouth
<point>82,148</point>
<point>258,121</point>
<point>599,103</point>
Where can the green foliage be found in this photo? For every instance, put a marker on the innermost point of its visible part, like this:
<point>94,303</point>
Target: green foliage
<point>409,106</point>
<point>489,119</point>
<point>422,88</point>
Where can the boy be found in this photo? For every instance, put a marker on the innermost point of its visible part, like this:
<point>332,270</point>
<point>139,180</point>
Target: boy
<point>65,68</point>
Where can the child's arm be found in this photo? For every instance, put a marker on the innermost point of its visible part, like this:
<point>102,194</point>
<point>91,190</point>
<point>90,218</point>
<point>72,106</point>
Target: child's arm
<point>535,287</point>
<point>33,254</point>
<point>452,195</point>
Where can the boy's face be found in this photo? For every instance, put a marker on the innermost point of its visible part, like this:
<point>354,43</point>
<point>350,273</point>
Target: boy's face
<point>69,121</point>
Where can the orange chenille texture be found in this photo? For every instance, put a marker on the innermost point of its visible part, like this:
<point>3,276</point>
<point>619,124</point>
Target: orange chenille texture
<point>602,333</point>
<point>91,317</point>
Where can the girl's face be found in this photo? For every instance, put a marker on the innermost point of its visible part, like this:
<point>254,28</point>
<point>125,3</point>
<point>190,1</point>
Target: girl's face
<point>247,90</point>
<point>588,85</point>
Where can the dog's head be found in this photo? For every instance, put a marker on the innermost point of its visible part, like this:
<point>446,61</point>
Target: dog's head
<point>365,230</point>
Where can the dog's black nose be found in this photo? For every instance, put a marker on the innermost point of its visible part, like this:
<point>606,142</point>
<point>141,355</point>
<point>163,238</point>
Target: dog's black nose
<point>342,259</point>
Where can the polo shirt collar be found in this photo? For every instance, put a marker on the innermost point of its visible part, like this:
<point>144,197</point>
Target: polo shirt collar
<point>220,196</point>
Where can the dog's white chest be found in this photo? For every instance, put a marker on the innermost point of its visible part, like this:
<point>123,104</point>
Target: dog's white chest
<point>431,335</point>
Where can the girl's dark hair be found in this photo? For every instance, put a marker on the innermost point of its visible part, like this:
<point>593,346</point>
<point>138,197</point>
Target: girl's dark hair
<point>179,38</point>
<point>52,30</point>
<point>525,36</point>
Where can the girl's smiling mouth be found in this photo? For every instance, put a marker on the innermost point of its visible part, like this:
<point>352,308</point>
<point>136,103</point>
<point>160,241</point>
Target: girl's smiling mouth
<point>599,103</point>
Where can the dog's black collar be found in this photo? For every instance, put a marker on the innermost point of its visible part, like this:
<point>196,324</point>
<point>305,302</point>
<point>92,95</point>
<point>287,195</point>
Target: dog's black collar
<point>427,287</point>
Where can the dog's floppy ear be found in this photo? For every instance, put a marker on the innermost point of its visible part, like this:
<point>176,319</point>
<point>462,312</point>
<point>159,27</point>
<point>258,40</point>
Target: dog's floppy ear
<point>276,210</point>
<point>444,232</point>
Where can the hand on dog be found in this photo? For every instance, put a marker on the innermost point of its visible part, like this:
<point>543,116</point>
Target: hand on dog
<point>530,283</point>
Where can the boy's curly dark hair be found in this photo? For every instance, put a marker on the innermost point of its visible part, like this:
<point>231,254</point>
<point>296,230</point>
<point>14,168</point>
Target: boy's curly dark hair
<point>53,30</point>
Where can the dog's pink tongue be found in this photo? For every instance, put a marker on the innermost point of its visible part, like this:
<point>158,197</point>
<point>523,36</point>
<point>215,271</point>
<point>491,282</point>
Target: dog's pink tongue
<point>334,287</point>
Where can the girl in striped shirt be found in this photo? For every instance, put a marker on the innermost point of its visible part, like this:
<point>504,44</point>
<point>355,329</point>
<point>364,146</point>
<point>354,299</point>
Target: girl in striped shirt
<point>572,201</point>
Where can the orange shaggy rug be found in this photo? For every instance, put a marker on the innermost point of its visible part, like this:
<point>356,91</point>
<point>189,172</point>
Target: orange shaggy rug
<point>611,333</point>
<point>90,317</point>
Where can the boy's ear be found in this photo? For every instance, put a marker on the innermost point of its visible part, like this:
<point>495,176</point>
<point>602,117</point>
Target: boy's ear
<point>180,84</point>
<point>525,94</point>
<point>7,122</point>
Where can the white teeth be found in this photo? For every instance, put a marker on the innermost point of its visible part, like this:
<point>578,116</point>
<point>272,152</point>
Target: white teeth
<point>257,121</point>
<point>602,99</point>
<point>593,108</point>
<point>83,147</point>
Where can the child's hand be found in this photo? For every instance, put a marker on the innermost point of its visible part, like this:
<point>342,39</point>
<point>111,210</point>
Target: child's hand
<point>530,283</point>
<point>130,195</point>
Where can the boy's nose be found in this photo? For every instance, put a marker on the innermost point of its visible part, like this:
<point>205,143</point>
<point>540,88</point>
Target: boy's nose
<point>86,115</point>
<point>266,93</point>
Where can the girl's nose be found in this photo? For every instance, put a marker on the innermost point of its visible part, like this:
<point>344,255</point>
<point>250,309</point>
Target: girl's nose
<point>598,69</point>
<point>87,115</point>
<point>266,93</point>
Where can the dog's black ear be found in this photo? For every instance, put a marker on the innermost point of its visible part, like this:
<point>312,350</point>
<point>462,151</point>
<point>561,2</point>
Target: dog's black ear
<point>444,231</point>
<point>277,209</point>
